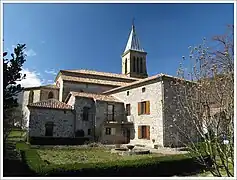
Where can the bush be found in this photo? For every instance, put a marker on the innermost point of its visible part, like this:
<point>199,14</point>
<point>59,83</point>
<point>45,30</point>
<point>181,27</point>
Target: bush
<point>57,141</point>
<point>156,166</point>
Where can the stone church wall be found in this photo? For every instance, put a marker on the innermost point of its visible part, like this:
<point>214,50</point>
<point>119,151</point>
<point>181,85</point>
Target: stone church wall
<point>78,87</point>
<point>173,136</point>
<point>63,122</point>
<point>45,92</point>
<point>153,93</point>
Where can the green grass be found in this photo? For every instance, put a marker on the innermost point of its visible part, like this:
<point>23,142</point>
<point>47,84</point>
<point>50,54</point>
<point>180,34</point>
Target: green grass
<point>88,155</point>
<point>17,135</point>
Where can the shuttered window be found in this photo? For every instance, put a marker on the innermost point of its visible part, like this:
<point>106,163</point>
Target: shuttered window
<point>144,132</point>
<point>144,107</point>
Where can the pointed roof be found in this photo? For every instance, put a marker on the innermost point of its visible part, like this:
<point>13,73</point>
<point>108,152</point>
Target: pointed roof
<point>133,41</point>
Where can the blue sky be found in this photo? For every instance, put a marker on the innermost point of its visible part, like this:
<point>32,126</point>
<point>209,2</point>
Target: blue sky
<point>93,36</point>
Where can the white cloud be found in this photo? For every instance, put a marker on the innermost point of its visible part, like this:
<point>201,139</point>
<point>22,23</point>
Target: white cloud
<point>50,81</point>
<point>52,71</point>
<point>32,79</point>
<point>30,52</point>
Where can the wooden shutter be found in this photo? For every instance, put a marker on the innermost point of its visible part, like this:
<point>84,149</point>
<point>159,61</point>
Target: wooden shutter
<point>147,107</point>
<point>139,108</point>
<point>148,132</point>
<point>139,132</point>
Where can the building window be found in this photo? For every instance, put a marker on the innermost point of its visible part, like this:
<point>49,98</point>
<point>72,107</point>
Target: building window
<point>127,93</point>
<point>143,89</point>
<point>138,69</point>
<point>89,132</point>
<point>141,65</point>
<point>144,132</point>
<point>126,66</point>
<point>134,64</point>
<point>144,107</point>
<point>50,95</point>
<point>110,131</point>
<point>110,112</point>
<point>128,109</point>
<point>85,114</point>
<point>31,97</point>
<point>49,129</point>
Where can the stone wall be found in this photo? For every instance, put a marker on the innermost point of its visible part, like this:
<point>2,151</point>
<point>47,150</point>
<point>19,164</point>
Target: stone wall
<point>101,118</point>
<point>173,119</point>
<point>97,117</point>
<point>153,93</point>
<point>45,92</point>
<point>81,124</point>
<point>78,87</point>
<point>63,122</point>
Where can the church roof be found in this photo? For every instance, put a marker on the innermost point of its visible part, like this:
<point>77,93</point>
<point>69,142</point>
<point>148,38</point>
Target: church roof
<point>99,97</point>
<point>51,104</point>
<point>133,41</point>
<point>99,73</point>
<point>93,81</point>
<point>49,86</point>
<point>143,81</point>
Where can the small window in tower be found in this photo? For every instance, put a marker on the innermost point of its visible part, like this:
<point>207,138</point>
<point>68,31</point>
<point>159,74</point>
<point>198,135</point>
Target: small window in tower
<point>141,65</point>
<point>127,93</point>
<point>143,89</point>
<point>134,64</point>
<point>126,66</point>
<point>138,68</point>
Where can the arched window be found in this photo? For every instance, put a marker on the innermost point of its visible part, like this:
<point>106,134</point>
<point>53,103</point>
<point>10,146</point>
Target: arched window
<point>31,97</point>
<point>138,69</point>
<point>50,95</point>
<point>126,66</point>
<point>49,129</point>
<point>134,64</point>
<point>141,65</point>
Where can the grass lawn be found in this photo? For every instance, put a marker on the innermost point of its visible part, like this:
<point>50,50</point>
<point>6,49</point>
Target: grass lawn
<point>85,155</point>
<point>79,160</point>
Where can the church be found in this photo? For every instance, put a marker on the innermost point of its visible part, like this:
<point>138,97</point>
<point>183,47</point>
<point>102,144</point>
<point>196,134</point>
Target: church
<point>104,107</point>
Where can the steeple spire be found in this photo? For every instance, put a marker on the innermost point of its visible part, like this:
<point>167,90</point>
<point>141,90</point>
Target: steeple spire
<point>133,41</point>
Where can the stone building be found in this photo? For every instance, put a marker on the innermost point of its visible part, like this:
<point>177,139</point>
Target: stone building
<point>102,106</point>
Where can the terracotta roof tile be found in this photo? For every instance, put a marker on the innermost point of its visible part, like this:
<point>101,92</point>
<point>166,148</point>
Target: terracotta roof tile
<point>91,72</point>
<point>99,97</point>
<point>93,81</point>
<point>50,103</point>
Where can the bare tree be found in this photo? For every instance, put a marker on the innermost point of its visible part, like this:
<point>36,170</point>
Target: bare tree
<point>202,105</point>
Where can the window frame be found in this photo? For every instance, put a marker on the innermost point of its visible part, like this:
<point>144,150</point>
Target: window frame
<point>108,131</point>
<point>110,115</point>
<point>85,113</point>
<point>47,126</point>
<point>128,109</point>
<point>50,95</point>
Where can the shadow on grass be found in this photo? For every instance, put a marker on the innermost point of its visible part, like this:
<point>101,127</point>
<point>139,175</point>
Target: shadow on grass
<point>13,165</point>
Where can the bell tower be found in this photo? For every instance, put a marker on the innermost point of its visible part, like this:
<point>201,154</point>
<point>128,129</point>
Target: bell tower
<point>134,57</point>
